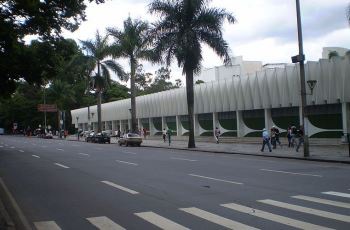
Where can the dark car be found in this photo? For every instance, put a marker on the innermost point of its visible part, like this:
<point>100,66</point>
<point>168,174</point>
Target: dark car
<point>89,137</point>
<point>130,139</point>
<point>101,138</point>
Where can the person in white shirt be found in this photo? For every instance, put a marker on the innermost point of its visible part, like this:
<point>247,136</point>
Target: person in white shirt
<point>266,140</point>
<point>164,134</point>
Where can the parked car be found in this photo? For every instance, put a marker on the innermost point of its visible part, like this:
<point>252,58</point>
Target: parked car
<point>2,131</point>
<point>130,139</point>
<point>101,138</point>
<point>89,136</point>
<point>48,136</point>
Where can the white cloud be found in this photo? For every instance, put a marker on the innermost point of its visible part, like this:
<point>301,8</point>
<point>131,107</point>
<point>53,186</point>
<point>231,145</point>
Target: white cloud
<point>266,30</point>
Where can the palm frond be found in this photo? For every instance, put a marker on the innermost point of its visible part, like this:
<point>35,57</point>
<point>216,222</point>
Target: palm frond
<point>116,68</point>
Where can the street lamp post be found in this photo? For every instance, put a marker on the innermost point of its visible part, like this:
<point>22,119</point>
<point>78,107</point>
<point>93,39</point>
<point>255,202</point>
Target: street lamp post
<point>301,58</point>
<point>92,117</point>
<point>78,126</point>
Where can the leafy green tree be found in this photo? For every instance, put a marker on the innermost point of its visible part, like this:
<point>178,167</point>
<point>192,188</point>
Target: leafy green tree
<point>199,82</point>
<point>182,27</point>
<point>132,43</point>
<point>98,50</point>
<point>116,92</point>
<point>45,19</point>
<point>333,54</point>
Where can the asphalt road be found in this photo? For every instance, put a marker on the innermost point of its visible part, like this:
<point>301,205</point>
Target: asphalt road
<point>75,185</point>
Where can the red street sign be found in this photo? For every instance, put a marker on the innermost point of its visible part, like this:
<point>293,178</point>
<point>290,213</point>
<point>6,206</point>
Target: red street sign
<point>47,108</point>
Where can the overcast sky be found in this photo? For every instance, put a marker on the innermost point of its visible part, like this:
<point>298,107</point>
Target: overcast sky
<point>265,29</point>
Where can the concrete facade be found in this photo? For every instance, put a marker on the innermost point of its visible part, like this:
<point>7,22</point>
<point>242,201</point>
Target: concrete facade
<point>242,106</point>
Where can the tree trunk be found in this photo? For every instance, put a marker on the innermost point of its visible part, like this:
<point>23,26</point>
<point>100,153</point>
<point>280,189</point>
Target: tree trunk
<point>99,114</point>
<point>133,96</point>
<point>99,101</point>
<point>190,103</point>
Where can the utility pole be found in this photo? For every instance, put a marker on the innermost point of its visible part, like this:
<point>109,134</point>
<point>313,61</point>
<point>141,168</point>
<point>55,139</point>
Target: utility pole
<point>301,59</point>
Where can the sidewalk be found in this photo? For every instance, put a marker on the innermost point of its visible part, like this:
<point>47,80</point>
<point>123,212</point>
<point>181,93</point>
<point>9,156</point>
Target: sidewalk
<point>330,153</point>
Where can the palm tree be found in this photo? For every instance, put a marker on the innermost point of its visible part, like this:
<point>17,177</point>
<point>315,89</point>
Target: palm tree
<point>132,43</point>
<point>182,27</point>
<point>98,50</point>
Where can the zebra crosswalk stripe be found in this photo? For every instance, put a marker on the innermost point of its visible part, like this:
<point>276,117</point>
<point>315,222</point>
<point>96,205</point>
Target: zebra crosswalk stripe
<point>341,194</point>
<point>104,223</point>
<point>273,217</point>
<point>311,211</point>
<point>45,225</point>
<point>230,224</point>
<point>323,201</point>
<point>160,221</point>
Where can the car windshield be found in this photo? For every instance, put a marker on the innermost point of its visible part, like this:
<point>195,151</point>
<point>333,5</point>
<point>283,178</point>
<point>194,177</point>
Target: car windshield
<point>133,135</point>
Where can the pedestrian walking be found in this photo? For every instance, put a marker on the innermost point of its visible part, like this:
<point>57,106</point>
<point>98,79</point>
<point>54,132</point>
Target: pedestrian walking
<point>289,136</point>
<point>144,133</point>
<point>266,140</point>
<point>169,135</point>
<point>275,135</point>
<point>217,134</point>
<point>294,136</point>
<point>164,135</point>
<point>300,135</point>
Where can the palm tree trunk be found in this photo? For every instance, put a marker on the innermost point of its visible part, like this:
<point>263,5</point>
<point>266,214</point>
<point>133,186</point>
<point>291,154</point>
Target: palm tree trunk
<point>99,113</point>
<point>190,103</point>
<point>132,92</point>
<point>99,101</point>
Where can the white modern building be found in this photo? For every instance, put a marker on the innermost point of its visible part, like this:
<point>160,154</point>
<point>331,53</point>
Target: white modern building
<point>241,106</point>
<point>238,68</point>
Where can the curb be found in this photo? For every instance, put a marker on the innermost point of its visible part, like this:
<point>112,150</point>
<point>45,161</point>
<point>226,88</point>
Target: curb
<point>247,154</point>
<point>11,215</point>
<point>252,154</point>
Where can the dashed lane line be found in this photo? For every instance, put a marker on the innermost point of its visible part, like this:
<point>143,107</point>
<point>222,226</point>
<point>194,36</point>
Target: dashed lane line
<point>183,159</point>
<point>292,173</point>
<point>84,154</point>
<point>45,225</point>
<point>323,201</point>
<point>129,152</point>
<point>60,149</point>
<point>160,221</point>
<point>219,220</point>
<point>211,178</point>
<point>36,156</point>
<point>120,187</point>
<point>273,217</point>
<point>126,162</point>
<point>341,194</point>
<point>21,151</point>
<point>316,212</point>
<point>61,165</point>
<point>103,222</point>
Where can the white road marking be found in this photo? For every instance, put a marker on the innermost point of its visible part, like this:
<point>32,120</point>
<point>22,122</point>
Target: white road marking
<point>46,225</point>
<point>273,217</point>
<point>60,149</point>
<point>341,194</point>
<point>300,174</point>
<point>160,221</point>
<point>120,187</point>
<point>323,201</point>
<point>182,159</point>
<point>210,178</point>
<point>230,224</point>
<point>21,151</point>
<point>36,156</point>
<point>311,211</point>
<point>103,222</point>
<point>61,165</point>
<point>84,154</point>
<point>129,152</point>
<point>1,146</point>
<point>125,162</point>
<point>12,147</point>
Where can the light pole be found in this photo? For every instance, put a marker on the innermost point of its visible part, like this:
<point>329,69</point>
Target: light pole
<point>78,126</point>
<point>92,117</point>
<point>301,58</point>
